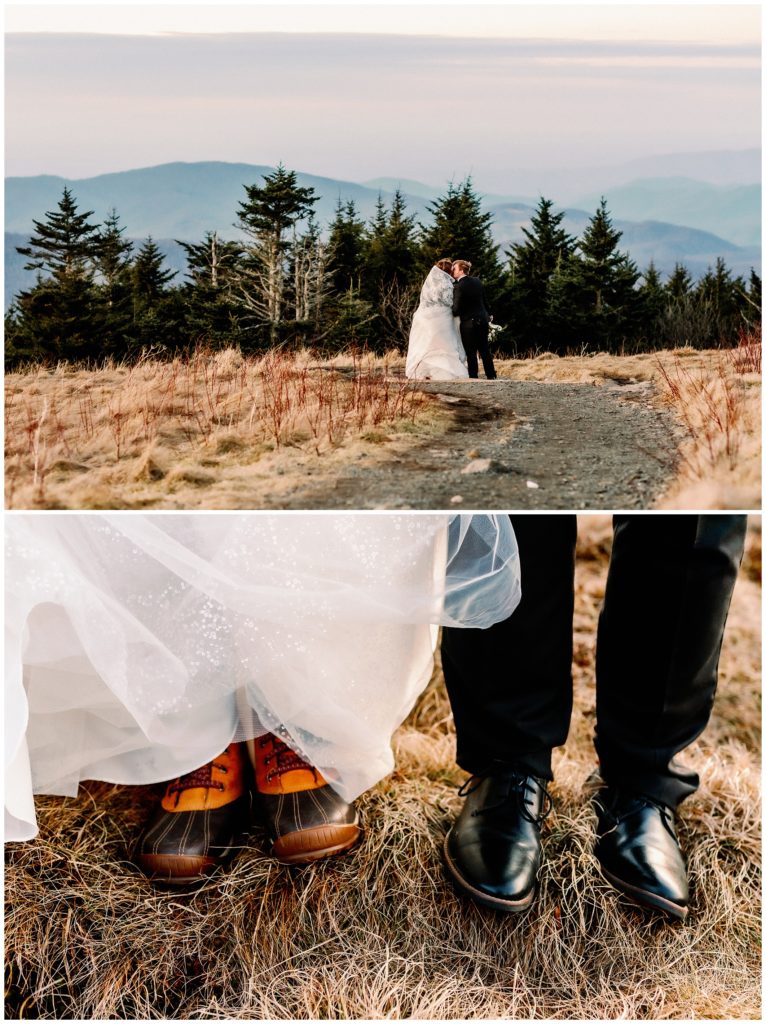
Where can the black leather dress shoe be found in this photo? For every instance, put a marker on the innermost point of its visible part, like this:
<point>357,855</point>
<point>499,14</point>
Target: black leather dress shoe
<point>638,851</point>
<point>492,851</point>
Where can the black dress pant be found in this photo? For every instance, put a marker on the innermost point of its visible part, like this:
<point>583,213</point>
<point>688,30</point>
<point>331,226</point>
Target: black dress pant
<point>475,337</point>
<point>667,596</point>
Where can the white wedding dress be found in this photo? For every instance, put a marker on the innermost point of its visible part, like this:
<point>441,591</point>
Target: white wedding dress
<point>139,645</point>
<point>435,351</point>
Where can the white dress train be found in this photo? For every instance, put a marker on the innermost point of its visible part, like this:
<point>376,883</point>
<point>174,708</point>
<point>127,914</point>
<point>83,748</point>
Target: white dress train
<point>139,645</point>
<point>435,351</point>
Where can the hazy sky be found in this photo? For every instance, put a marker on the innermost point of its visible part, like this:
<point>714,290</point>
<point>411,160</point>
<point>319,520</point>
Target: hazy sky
<point>358,91</point>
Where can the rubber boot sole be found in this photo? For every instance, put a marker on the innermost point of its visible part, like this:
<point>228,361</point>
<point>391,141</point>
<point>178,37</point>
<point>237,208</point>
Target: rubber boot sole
<point>312,844</point>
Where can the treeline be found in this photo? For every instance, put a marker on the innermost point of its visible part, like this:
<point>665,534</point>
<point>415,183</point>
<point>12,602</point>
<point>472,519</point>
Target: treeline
<point>288,283</point>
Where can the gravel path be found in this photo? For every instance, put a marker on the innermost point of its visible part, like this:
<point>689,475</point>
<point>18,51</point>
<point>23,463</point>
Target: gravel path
<point>520,445</point>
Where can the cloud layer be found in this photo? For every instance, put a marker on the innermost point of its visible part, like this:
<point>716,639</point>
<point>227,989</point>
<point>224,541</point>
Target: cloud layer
<point>360,106</point>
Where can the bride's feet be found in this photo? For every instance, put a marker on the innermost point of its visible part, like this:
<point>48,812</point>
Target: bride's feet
<point>198,820</point>
<point>306,818</point>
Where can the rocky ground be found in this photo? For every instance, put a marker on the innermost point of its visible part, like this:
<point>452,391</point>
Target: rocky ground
<point>522,445</point>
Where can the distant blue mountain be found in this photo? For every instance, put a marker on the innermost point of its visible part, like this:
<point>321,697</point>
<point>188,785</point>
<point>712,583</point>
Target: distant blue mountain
<point>733,211</point>
<point>184,200</point>
<point>179,200</point>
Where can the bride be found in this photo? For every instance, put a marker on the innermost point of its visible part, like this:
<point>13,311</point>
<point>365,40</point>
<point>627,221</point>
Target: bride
<point>149,648</point>
<point>435,351</point>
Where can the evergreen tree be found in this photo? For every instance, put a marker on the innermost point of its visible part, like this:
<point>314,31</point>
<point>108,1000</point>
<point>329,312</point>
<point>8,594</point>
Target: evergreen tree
<point>211,311</point>
<point>533,263</point>
<point>679,283</point>
<point>346,246</point>
<point>113,266</point>
<point>594,301</point>
<point>267,217</point>
<point>65,244</point>
<point>59,317</point>
<point>113,253</point>
<point>392,274</point>
<point>462,230</point>
<point>310,276</point>
<point>157,316</point>
<point>652,302</point>
<point>150,278</point>
<point>753,314</point>
<point>400,243</point>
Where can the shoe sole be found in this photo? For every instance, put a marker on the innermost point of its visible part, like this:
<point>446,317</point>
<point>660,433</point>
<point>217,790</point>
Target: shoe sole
<point>645,898</point>
<point>312,844</point>
<point>163,867</point>
<point>506,906</point>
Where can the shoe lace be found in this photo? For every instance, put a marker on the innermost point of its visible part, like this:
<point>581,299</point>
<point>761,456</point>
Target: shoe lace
<point>519,789</point>
<point>285,758</point>
<point>639,802</point>
<point>199,778</point>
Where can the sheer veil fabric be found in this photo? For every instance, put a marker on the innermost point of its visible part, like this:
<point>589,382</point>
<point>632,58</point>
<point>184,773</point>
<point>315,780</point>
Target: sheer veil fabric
<point>139,645</point>
<point>435,351</point>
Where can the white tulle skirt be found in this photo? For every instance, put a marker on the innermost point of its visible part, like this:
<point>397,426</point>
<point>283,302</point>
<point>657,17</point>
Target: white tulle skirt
<point>139,645</point>
<point>435,351</point>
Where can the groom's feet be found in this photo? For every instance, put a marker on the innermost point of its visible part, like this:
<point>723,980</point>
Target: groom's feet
<point>198,820</point>
<point>306,818</point>
<point>492,851</point>
<point>638,850</point>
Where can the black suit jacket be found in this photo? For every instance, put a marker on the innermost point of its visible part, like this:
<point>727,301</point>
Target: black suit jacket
<point>469,301</point>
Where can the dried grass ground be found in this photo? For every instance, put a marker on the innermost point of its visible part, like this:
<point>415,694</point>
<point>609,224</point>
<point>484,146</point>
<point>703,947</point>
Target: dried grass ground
<point>220,431</point>
<point>380,933</point>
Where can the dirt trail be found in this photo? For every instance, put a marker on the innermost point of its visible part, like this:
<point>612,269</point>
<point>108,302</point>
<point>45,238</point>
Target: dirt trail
<point>583,446</point>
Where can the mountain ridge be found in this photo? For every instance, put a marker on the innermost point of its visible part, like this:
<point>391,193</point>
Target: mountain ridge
<point>165,201</point>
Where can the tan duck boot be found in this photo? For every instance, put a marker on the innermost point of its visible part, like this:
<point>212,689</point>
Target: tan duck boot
<point>198,820</point>
<point>306,818</point>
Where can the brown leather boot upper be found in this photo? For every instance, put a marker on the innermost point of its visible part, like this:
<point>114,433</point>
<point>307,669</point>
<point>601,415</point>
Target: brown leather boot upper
<point>306,818</point>
<point>198,819</point>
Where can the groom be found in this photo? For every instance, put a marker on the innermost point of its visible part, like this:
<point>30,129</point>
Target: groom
<point>667,596</point>
<point>469,303</point>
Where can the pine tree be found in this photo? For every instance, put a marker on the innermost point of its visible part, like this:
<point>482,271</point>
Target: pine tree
<point>679,283</point>
<point>60,316</point>
<point>113,267</point>
<point>346,247</point>
<point>400,240</point>
<point>533,263</point>
<point>310,277</point>
<point>211,311</point>
<point>150,278</point>
<point>157,317</point>
<point>267,218</point>
<point>754,297</point>
<point>594,301</point>
<point>65,244</point>
<point>462,230</point>
<point>113,253</point>
<point>652,302</point>
<point>726,300</point>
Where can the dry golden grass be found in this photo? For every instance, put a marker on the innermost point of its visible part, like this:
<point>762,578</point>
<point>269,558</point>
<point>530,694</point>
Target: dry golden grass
<point>212,430</point>
<point>379,933</point>
<point>197,432</point>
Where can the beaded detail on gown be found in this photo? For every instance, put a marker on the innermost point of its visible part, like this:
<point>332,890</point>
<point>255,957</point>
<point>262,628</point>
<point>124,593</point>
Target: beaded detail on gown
<point>139,646</point>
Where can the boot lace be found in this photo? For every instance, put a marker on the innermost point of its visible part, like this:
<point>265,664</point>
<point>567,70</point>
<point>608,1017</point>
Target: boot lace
<point>284,758</point>
<point>520,789</point>
<point>200,778</point>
